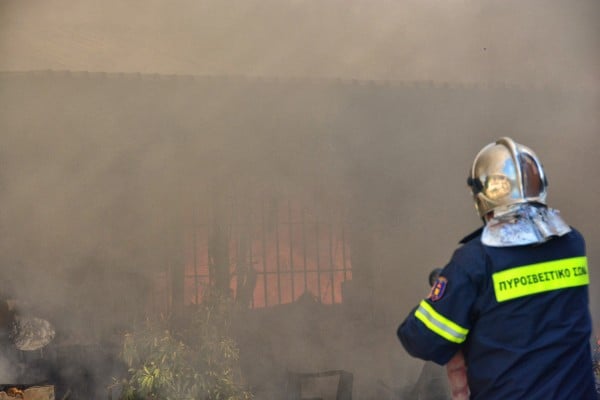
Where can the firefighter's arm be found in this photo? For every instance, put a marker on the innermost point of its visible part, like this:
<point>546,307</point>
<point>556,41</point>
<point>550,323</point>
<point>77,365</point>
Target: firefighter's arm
<point>457,377</point>
<point>436,329</point>
<point>421,342</point>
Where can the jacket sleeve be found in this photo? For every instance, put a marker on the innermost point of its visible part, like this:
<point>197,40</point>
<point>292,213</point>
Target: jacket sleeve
<point>436,328</point>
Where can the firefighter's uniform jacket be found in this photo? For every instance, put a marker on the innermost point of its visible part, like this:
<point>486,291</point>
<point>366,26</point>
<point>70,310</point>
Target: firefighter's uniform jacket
<point>520,314</point>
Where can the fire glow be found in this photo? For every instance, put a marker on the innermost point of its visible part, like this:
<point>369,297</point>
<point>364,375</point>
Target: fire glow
<point>273,259</point>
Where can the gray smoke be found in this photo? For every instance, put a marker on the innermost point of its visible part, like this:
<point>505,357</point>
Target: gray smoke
<point>102,174</point>
<point>542,42</point>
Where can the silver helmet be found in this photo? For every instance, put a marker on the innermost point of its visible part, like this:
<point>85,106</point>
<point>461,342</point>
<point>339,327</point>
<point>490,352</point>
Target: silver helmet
<point>506,173</point>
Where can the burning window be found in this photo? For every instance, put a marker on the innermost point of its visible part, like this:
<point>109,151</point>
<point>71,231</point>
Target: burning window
<point>270,254</point>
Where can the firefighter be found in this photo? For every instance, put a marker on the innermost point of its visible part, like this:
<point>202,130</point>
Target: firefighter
<point>513,299</point>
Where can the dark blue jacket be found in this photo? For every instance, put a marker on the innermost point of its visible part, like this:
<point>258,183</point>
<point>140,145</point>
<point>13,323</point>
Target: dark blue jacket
<point>520,314</point>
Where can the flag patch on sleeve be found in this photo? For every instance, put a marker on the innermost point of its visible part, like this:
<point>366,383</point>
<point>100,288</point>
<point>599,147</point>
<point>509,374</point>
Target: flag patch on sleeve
<point>438,289</point>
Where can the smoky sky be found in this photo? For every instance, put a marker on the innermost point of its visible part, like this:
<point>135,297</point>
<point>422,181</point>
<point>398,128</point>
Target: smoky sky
<point>75,149</point>
<point>534,42</point>
<point>100,173</point>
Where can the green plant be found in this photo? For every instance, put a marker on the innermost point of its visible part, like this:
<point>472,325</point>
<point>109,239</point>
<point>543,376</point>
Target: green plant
<point>198,360</point>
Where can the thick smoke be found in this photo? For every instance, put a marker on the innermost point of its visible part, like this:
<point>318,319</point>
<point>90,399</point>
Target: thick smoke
<point>542,42</point>
<point>103,174</point>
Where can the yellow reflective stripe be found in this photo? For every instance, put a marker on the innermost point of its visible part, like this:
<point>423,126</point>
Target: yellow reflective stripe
<point>538,278</point>
<point>440,324</point>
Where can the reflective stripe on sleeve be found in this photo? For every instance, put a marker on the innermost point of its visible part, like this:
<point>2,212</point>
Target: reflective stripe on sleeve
<point>439,324</point>
<point>538,278</point>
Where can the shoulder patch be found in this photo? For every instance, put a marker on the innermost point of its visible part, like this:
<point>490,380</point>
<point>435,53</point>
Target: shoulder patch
<point>438,289</point>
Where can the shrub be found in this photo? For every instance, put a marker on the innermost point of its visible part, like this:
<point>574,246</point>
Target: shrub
<point>198,360</point>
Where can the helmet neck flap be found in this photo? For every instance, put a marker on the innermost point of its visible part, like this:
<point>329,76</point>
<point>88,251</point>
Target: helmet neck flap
<point>523,224</point>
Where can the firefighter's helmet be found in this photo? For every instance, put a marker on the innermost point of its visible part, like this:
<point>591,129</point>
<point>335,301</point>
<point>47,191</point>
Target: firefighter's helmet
<point>506,173</point>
